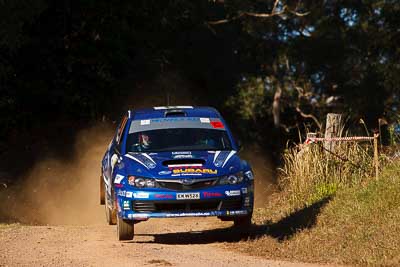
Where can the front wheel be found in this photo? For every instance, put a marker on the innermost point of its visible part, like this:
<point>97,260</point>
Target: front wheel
<point>125,229</point>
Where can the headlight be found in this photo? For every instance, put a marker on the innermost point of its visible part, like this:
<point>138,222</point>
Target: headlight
<point>232,179</point>
<point>141,182</point>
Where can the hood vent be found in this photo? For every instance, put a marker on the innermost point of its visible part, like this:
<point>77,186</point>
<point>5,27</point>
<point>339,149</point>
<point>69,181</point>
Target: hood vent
<point>184,162</point>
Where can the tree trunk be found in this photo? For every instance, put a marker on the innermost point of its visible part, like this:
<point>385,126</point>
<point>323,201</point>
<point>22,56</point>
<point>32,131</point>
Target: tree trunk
<point>276,107</point>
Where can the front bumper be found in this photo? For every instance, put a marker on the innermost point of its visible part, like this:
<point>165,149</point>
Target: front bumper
<point>218,201</point>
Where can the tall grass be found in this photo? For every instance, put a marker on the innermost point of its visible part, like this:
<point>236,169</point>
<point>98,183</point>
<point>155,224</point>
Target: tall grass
<point>312,173</point>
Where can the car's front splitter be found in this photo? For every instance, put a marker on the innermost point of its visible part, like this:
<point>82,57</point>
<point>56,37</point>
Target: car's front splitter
<point>130,215</point>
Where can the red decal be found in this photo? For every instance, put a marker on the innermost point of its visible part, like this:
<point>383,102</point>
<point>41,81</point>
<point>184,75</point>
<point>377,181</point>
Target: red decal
<point>217,124</point>
<point>212,194</point>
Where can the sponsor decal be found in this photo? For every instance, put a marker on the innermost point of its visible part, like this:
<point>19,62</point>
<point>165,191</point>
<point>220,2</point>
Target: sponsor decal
<point>164,196</point>
<point>118,179</point>
<point>204,120</point>
<point>183,156</point>
<point>176,119</point>
<point>164,172</point>
<point>244,190</point>
<point>126,205</point>
<point>190,214</point>
<point>249,175</point>
<point>184,196</point>
<point>138,216</point>
<point>182,153</point>
<point>141,195</point>
<point>194,171</point>
<point>121,193</point>
<point>247,201</point>
<point>128,194</point>
<point>212,194</point>
<point>186,174</point>
<point>236,212</point>
<point>145,122</point>
<point>232,193</point>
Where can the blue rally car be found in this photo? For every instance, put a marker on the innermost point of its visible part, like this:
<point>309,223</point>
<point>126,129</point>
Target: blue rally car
<point>167,162</point>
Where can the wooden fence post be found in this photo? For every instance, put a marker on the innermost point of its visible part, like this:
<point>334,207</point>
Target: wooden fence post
<point>333,129</point>
<point>376,155</point>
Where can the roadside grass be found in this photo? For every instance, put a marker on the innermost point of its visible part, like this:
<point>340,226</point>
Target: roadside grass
<point>355,222</point>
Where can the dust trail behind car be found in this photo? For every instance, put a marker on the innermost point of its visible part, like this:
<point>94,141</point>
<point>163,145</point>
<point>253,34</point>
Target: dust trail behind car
<point>56,191</point>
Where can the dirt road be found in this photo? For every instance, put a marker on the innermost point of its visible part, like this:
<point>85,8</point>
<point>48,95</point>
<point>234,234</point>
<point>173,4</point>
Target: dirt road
<point>61,197</point>
<point>168,242</point>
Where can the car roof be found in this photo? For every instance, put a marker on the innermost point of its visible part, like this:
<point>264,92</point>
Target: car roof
<point>159,112</point>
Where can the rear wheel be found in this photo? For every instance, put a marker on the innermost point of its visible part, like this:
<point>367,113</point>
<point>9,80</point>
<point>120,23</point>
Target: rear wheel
<point>111,214</point>
<point>125,229</point>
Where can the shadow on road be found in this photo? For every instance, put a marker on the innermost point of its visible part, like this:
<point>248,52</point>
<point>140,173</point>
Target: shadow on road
<point>284,229</point>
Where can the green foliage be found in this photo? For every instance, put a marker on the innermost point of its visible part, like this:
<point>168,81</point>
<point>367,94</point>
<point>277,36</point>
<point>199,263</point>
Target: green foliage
<point>249,102</point>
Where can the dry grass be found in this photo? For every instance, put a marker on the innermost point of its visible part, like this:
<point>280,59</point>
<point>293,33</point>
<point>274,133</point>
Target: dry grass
<point>312,173</point>
<point>358,225</point>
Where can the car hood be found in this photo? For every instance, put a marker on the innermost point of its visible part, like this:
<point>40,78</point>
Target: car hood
<point>182,164</point>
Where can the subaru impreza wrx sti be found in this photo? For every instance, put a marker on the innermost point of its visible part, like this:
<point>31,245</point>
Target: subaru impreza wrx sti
<point>167,162</point>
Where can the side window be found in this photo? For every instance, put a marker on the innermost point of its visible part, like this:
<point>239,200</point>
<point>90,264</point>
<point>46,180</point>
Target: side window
<point>120,132</point>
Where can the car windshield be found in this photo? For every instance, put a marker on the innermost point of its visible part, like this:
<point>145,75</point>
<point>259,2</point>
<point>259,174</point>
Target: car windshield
<point>178,139</point>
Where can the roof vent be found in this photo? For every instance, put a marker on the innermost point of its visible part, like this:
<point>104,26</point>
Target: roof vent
<point>174,113</point>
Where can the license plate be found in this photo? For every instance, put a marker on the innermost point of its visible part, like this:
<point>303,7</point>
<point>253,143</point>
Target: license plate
<point>181,196</point>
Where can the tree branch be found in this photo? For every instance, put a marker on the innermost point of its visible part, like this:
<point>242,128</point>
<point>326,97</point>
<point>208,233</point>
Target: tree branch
<point>261,15</point>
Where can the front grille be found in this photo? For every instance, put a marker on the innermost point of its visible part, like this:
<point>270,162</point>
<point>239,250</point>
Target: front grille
<point>177,186</point>
<point>187,206</point>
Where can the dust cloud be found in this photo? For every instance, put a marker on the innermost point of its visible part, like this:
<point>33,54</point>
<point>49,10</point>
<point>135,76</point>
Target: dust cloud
<point>264,174</point>
<point>57,191</point>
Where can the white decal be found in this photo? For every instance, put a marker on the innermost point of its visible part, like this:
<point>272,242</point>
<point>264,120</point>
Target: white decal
<point>141,195</point>
<point>204,120</point>
<point>183,157</point>
<point>244,190</point>
<point>216,155</point>
<point>182,153</point>
<point>118,179</point>
<point>128,194</point>
<point>135,159</point>
<point>121,193</point>
<point>164,172</point>
<point>185,165</point>
<point>145,122</point>
<point>147,156</point>
<point>228,157</point>
<point>232,193</point>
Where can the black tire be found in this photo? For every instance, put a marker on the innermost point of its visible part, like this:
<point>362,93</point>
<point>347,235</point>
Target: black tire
<point>111,214</point>
<point>243,222</point>
<point>125,229</point>
<point>102,191</point>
